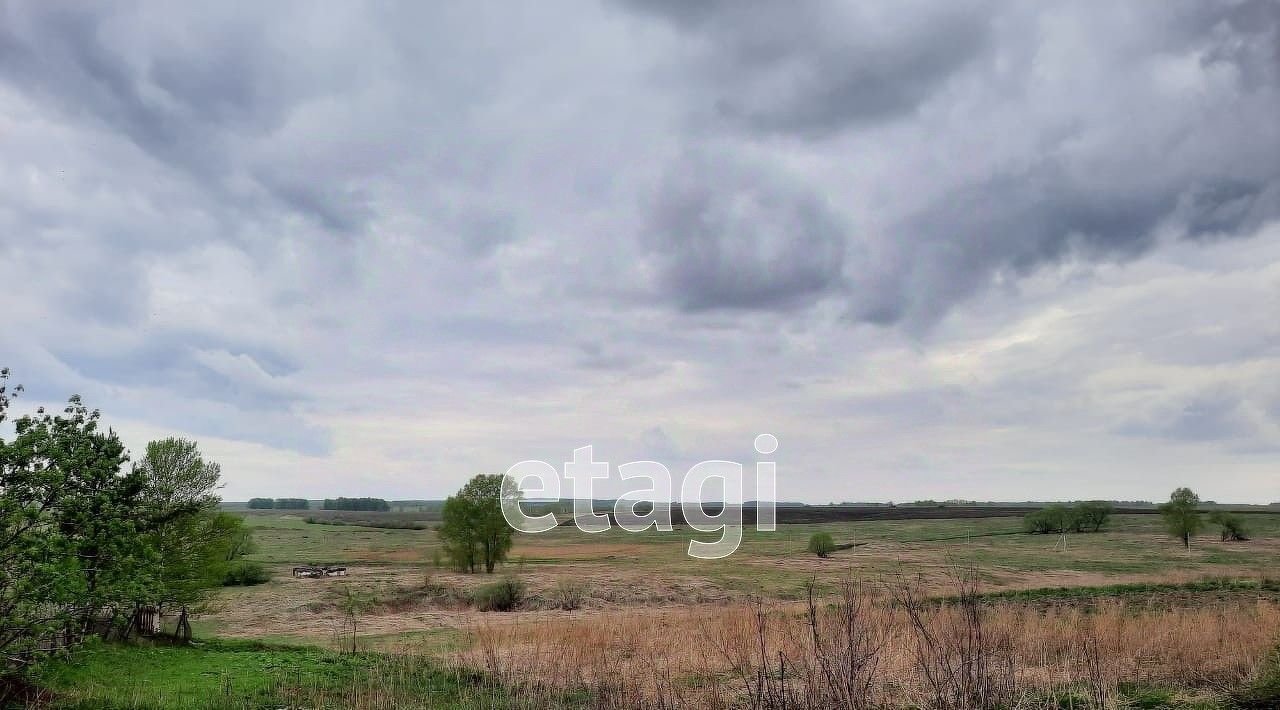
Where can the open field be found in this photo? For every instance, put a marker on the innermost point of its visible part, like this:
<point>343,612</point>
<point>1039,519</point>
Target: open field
<point>1126,593</point>
<point>1121,618</point>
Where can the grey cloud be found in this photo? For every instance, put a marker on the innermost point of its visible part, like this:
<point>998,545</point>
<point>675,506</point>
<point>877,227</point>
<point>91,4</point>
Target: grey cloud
<point>194,100</point>
<point>726,235</point>
<point>250,220</point>
<point>193,363</point>
<point>1018,222</point>
<point>815,68</point>
<point>170,103</point>
<point>1210,415</point>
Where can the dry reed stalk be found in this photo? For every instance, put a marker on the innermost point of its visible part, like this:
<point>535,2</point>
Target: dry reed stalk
<point>875,648</point>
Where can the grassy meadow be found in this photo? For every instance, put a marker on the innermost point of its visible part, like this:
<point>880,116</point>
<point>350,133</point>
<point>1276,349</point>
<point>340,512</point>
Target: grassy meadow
<point>1120,618</point>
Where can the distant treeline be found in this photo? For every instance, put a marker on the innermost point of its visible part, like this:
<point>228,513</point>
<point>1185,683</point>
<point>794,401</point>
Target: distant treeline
<point>370,504</point>
<point>279,504</point>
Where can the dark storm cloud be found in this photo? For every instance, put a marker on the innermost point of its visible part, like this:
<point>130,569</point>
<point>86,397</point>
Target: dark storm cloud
<point>817,67</point>
<point>193,100</point>
<point>172,101</point>
<point>1014,224</point>
<point>817,71</point>
<point>730,236</point>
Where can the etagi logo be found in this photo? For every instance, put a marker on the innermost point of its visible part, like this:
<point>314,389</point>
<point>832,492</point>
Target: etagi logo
<point>583,471</point>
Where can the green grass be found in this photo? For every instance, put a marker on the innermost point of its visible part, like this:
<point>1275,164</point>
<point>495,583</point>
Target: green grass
<point>289,539</point>
<point>227,675</point>
<point>1270,586</point>
<point>1264,691</point>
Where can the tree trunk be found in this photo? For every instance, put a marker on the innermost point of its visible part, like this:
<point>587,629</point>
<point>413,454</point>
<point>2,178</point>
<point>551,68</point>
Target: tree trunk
<point>182,630</point>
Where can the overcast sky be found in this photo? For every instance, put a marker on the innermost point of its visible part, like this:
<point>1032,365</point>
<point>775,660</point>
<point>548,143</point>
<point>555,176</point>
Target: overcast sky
<point>990,250</point>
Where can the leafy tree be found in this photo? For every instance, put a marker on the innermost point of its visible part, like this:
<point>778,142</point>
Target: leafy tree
<point>83,542</point>
<point>1180,515</point>
<point>822,544</point>
<point>262,503</point>
<point>1093,515</point>
<point>1051,519</point>
<point>71,553</point>
<point>195,543</point>
<point>474,531</point>
<point>1233,528</point>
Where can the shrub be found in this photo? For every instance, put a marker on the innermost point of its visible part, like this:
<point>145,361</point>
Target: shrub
<point>1051,519</point>
<point>1233,528</point>
<point>568,595</point>
<point>1093,515</point>
<point>1055,519</point>
<point>821,544</point>
<point>505,595</point>
<point>245,574</point>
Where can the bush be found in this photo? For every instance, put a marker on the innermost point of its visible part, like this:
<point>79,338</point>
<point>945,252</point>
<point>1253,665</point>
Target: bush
<point>499,596</point>
<point>821,544</point>
<point>1093,515</point>
<point>1233,528</point>
<point>1055,519</point>
<point>568,595</point>
<point>1050,519</point>
<point>245,574</point>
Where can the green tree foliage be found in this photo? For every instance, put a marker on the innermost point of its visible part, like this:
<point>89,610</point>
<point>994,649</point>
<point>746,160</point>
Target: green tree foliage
<point>244,574</point>
<point>70,549</point>
<point>194,542</point>
<point>366,504</point>
<point>1093,515</point>
<point>822,544</point>
<point>1233,527</point>
<point>1181,517</point>
<point>1050,520</point>
<point>84,544</point>
<point>474,532</point>
<point>292,504</point>
<point>1056,519</point>
<point>262,503</point>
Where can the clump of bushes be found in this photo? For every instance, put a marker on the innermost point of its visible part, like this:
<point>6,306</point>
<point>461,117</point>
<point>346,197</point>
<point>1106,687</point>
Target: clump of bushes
<point>1089,516</point>
<point>822,544</point>
<point>504,595</point>
<point>245,574</point>
<point>1233,528</point>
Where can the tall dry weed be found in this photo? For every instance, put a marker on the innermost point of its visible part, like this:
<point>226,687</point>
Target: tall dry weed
<point>882,645</point>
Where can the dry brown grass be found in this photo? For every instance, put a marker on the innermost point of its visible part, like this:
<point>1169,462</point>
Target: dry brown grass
<point>880,647</point>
